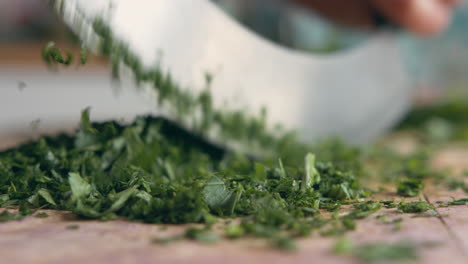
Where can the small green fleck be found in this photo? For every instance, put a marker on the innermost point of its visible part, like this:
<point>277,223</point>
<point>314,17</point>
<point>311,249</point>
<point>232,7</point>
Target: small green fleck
<point>234,231</point>
<point>201,235</point>
<point>42,215</point>
<point>6,216</point>
<point>285,243</point>
<point>410,187</point>
<point>83,55</point>
<point>380,251</point>
<point>343,246</point>
<point>166,240</point>
<point>72,227</point>
<point>463,201</point>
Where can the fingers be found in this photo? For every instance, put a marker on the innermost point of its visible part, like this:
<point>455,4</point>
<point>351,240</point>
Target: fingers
<point>349,12</point>
<point>424,17</point>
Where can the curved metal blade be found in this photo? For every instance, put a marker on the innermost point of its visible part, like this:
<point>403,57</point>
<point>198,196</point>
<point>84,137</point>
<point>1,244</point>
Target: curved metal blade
<point>355,95</point>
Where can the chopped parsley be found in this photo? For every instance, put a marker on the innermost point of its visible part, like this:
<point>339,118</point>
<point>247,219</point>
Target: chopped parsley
<point>375,252</point>
<point>463,201</point>
<point>153,171</point>
<point>414,207</point>
<point>410,187</point>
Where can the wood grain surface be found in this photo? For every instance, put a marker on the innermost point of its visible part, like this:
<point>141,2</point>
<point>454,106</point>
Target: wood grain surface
<point>61,238</point>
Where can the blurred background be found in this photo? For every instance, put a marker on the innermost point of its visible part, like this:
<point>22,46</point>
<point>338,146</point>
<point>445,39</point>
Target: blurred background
<point>436,66</point>
<point>433,63</point>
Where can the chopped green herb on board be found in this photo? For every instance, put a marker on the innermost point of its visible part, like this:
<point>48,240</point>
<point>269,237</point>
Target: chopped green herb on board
<point>343,246</point>
<point>203,235</point>
<point>42,215</point>
<point>377,252</point>
<point>285,243</point>
<point>410,187</point>
<point>430,213</point>
<point>151,171</point>
<point>23,211</point>
<point>7,216</point>
<point>414,207</point>
<point>463,201</point>
<point>72,227</point>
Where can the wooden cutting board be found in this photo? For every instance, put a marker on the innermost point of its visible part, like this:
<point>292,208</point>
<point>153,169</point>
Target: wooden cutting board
<point>61,238</point>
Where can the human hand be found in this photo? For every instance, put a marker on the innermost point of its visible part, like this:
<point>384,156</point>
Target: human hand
<point>423,17</point>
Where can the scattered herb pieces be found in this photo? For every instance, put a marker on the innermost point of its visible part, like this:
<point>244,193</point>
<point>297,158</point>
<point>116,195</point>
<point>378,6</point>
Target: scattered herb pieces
<point>234,231</point>
<point>463,201</point>
<point>285,243</point>
<point>389,204</point>
<point>363,210</point>
<point>414,207</point>
<point>72,227</point>
<point>343,246</point>
<point>410,187</point>
<point>23,212</point>
<point>42,215</point>
<point>455,184</point>
<point>375,252</point>
<point>430,213</point>
<point>166,240</point>
<point>202,235</point>
<point>396,222</point>
<point>7,216</point>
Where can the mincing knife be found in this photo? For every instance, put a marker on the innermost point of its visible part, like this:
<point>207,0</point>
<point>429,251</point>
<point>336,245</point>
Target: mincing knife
<point>356,94</point>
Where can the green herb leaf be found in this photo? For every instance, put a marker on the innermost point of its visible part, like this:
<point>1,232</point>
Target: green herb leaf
<point>79,187</point>
<point>46,195</point>
<point>219,198</point>
<point>311,175</point>
<point>86,122</point>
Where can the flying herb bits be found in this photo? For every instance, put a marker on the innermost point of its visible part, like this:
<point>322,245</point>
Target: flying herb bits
<point>52,55</point>
<point>83,55</point>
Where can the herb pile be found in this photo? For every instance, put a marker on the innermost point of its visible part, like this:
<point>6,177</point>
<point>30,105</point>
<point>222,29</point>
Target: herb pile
<point>154,171</point>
